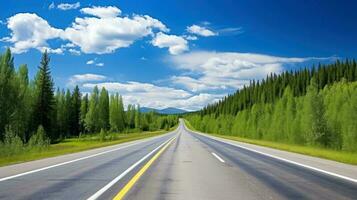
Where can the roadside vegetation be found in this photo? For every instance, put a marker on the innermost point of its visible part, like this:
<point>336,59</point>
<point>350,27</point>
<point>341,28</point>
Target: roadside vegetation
<point>23,153</point>
<point>36,121</point>
<point>309,111</point>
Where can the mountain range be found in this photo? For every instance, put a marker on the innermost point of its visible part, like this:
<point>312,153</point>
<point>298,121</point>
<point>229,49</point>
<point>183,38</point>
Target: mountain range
<point>169,110</point>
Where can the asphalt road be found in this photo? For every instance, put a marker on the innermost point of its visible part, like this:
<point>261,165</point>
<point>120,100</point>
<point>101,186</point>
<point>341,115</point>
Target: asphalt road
<point>192,166</point>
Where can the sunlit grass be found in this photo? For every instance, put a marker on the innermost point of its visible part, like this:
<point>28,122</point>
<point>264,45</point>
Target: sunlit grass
<point>340,156</point>
<point>76,145</point>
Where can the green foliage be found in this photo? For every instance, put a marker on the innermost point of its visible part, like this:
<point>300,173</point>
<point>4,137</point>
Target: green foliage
<point>92,114</point>
<point>44,98</point>
<point>325,118</point>
<point>103,110</point>
<point>39,139</point>
<point>83,113</point>
<point>102,134</point>
<point>8,90</point>
<point>272,88</point>
<point>37,115</point>
<point>75,113</point>
<point>12,143</point>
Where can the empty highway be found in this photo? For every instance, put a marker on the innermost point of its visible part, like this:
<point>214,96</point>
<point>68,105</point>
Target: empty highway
<point>177,165</point>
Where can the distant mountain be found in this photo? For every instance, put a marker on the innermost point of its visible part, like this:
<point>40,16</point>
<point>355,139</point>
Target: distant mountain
<point>146,109</point>
<point>169,110</point>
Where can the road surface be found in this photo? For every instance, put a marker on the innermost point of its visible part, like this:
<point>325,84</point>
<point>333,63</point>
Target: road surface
<point>178,165</point>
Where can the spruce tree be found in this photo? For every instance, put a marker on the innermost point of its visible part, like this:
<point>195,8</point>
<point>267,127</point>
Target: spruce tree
<point>84,110</point>
<point>44,98</point>
<point>75,112</point>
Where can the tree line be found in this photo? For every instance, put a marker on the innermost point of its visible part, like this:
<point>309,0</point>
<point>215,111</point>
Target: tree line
<point>272,88</point>
<point>31,111</point>
<point>324,114</point>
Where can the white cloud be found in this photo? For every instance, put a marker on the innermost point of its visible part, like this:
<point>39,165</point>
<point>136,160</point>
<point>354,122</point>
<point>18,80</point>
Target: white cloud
<point>176,44</point>
<point>103,33</point>
<point>83,78</point>
<point>150,95</point>
<point>49,50</point>
<point>102,12</point>
<point>226,70</point>
<point>94,62</point>
<point>90,62</point>
<point>201,31</point>
<point>68,6</point>
<point>107,34</point>
<point>51,6</point>
<point>190,37</point>
<point>30,31</point>
<point>74,52</point>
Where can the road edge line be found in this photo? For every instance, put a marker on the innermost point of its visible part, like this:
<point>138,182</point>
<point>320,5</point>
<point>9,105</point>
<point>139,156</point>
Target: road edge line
<point>278,158</point>
<point>75,160</point>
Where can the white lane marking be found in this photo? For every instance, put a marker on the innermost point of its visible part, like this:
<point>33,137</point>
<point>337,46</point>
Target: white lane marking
<point>116,179</point>
<point>219,158</point>
<point>282,159</point>
<point>71,161</point>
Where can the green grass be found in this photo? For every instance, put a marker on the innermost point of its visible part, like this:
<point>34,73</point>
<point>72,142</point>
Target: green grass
<point>76,145</point>
<point>340,156</point>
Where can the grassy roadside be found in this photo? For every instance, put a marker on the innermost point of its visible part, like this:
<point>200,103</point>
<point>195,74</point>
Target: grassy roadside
<point>339,156</point>
<point>76,145</point>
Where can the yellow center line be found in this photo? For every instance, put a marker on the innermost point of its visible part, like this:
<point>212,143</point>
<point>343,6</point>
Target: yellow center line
<point>137,176</point>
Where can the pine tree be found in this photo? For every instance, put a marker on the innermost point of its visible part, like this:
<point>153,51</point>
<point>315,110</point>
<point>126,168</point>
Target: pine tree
<point>75,121</point>
<point>44,98</point>
<point>68,113</point>
<point>84,110</point>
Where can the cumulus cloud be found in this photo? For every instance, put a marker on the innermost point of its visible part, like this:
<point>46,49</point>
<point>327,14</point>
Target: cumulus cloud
<point>83,78</point>
<point>226,70</point>
<point>30,31</point>
<point>150,95</point>
<point>104,31</point>
<point>201,31</point>
<point>68,6</point>
<point>102,12</point>
<point>109,32</point>
<point>176,44</point>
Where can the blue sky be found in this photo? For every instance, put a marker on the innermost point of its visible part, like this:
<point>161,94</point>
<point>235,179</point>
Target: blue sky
<point>181,54</point>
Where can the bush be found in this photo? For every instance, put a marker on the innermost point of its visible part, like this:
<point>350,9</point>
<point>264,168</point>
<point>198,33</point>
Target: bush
<point>39,139</point>
<point>102,135</point>
<point>12,143</point>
